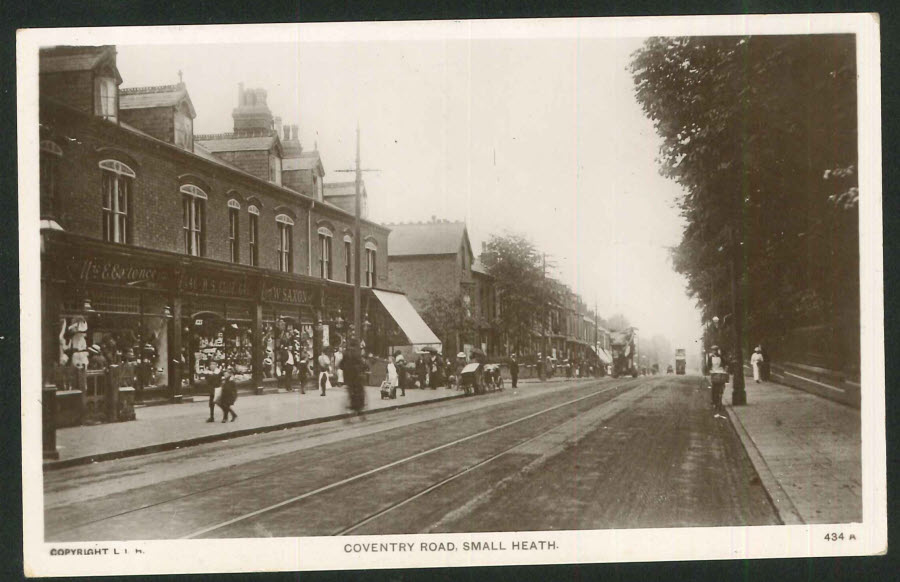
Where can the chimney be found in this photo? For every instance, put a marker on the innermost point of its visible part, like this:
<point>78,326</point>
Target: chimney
<point>240,94</point>
<point>295,132</point>
<point>277,126</point>
<point>260,96</point>
<point>287,133</point>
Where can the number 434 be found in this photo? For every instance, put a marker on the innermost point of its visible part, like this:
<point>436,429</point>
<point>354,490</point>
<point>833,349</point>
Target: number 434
<point>834,537</point>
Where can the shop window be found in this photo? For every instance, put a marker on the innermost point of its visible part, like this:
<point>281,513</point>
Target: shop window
<point>193,205</point>
<point>285,250</point>
<point>116,184</point>
<point>50,154</point>
<point>371,255</point>
<point>254,236</point>
<point>105,98</point>
<point>325,253</point>
<point>348,259</point>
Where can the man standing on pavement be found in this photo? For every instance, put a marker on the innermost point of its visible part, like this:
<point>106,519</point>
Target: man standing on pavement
<point>718,377</point>
<point>324,372</point>
<point>354,366</point>
<point>514,371</point>
<point>400,363</point>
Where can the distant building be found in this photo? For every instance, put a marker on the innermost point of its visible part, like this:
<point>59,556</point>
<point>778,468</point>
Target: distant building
<point>435,259</point>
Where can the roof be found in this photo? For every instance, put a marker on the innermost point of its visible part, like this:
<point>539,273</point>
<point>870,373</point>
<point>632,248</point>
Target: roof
<point>236,144</point>
<point>478,267</point>
<point>426,238</point>
<point>63,59</point>
<point>158,96</point>
<point>343,188</point>
<point>208,155</point>
<point>306,161</point>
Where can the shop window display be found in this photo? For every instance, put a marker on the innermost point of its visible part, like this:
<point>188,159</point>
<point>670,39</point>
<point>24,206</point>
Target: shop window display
<point>226,344</point>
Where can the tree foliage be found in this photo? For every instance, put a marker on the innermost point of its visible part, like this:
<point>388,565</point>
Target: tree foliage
<point>448,317</point>
<point>761,134</point>
<point>518,271</point>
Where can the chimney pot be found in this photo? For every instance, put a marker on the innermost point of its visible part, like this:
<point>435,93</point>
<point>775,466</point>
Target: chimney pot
<point>287,133</point>
<point>295,132</point>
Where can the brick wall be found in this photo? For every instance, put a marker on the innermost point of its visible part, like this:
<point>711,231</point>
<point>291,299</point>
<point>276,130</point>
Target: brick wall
<point>298,180</point>
<point>419,276</point>
<point>156,212</point>
<point>255,163</point>
<point>156,121</point>
<point>341,225</point>
<point>75,88</point>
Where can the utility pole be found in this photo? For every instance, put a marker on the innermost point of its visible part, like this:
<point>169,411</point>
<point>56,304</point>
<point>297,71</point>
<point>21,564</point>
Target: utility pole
<point>357,242</point>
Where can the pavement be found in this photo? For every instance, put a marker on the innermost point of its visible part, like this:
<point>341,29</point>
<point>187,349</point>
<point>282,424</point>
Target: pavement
<point>806,449</point>
<point>171,426</point>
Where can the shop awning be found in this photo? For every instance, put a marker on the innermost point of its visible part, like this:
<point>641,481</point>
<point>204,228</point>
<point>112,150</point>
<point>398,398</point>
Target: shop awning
<point>604,357</point>
<point>408,319</point>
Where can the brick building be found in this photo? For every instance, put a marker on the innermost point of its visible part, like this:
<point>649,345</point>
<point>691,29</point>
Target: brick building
<point>433,261</point>
<point>180,247</point>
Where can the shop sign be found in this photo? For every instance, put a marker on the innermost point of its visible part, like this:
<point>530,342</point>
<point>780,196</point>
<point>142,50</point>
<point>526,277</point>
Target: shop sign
<point>284,294</point>
<point>92,270</point>
<point>212,285</point>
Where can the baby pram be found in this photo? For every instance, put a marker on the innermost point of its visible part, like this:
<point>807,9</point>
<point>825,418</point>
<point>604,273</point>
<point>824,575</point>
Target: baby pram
<point>492,377</point>
<point>471,378</point>
<point>388,391</point>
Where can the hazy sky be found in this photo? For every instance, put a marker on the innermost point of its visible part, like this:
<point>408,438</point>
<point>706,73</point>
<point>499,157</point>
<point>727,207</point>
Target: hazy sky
<point>542,137</point>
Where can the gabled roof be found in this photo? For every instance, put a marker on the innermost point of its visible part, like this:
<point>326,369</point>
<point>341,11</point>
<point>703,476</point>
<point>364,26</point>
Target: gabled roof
<point>63,59</point>
<point>331,189</point>
<point>478,267</point>
<point>158,96</point>
<point>208,155</point>
<point>306,161</point>
<point>426,238</point>
<point>236,144</point>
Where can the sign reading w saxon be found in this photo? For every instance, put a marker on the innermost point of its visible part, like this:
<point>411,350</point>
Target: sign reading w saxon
<point>286,294</point>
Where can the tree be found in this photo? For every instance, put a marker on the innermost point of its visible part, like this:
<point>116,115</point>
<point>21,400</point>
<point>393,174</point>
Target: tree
<point>448,317</point>
<point>518,270</point>
<point>761,134</point>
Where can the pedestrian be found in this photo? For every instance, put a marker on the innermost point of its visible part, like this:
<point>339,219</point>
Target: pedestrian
<point>287,365</point>
<point>514,371</point>
<point>338,356</point>
<point>438,373</point>
<point>756,361</point>
<point>421,372</point>
<point>324,372</point>
<point>213,379</point>
<point>96,360</point>
<point>228,395</point>
<point>393,379</point>
<point>402,372</point>
<point>718,378</point>
<point>354,367</point>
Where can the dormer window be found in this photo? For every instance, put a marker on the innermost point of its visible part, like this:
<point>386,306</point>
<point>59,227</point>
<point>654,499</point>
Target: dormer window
<point>106,98</point>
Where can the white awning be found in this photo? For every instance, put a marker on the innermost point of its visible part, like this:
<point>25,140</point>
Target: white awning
<point>408,319</point>
<point>604,357</point>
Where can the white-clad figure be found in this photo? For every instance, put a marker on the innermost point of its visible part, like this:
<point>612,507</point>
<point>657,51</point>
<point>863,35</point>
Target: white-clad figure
<point>756,361</point>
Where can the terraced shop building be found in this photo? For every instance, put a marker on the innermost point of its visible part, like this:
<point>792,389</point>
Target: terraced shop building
<point>181,249</point>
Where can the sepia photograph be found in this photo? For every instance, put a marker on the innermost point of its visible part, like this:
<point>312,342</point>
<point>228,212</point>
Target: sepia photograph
<point>420,294</point>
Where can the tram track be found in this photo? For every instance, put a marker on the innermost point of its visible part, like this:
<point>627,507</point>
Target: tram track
<point>510,433</point>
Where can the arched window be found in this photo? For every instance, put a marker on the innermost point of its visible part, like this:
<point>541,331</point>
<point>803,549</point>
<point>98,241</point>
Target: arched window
<point>254,235</point>
<point>193,206</point>
<point>371,268</point>
<point>325,237</point>
<point>348,258</point>
<point>234,247</point>
<point>50,154</point>
<point>116,199</point>
<point>285,242</point>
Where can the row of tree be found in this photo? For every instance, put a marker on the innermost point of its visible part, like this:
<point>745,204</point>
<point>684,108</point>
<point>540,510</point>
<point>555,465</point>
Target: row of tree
<point>519,273</point>
<point>761,133</point>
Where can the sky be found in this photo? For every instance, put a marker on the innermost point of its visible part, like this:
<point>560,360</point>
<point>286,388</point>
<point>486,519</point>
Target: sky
<point>541,137</point>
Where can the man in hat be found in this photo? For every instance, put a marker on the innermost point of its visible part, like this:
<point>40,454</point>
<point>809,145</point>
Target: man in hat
<point>756,361</point>
<point>96,361</point>
<point>514,370</point>
<point>718,378</point>
<point>400,363</point>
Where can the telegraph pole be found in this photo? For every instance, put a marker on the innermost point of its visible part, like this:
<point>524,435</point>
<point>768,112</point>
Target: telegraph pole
<point>357,242</point>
